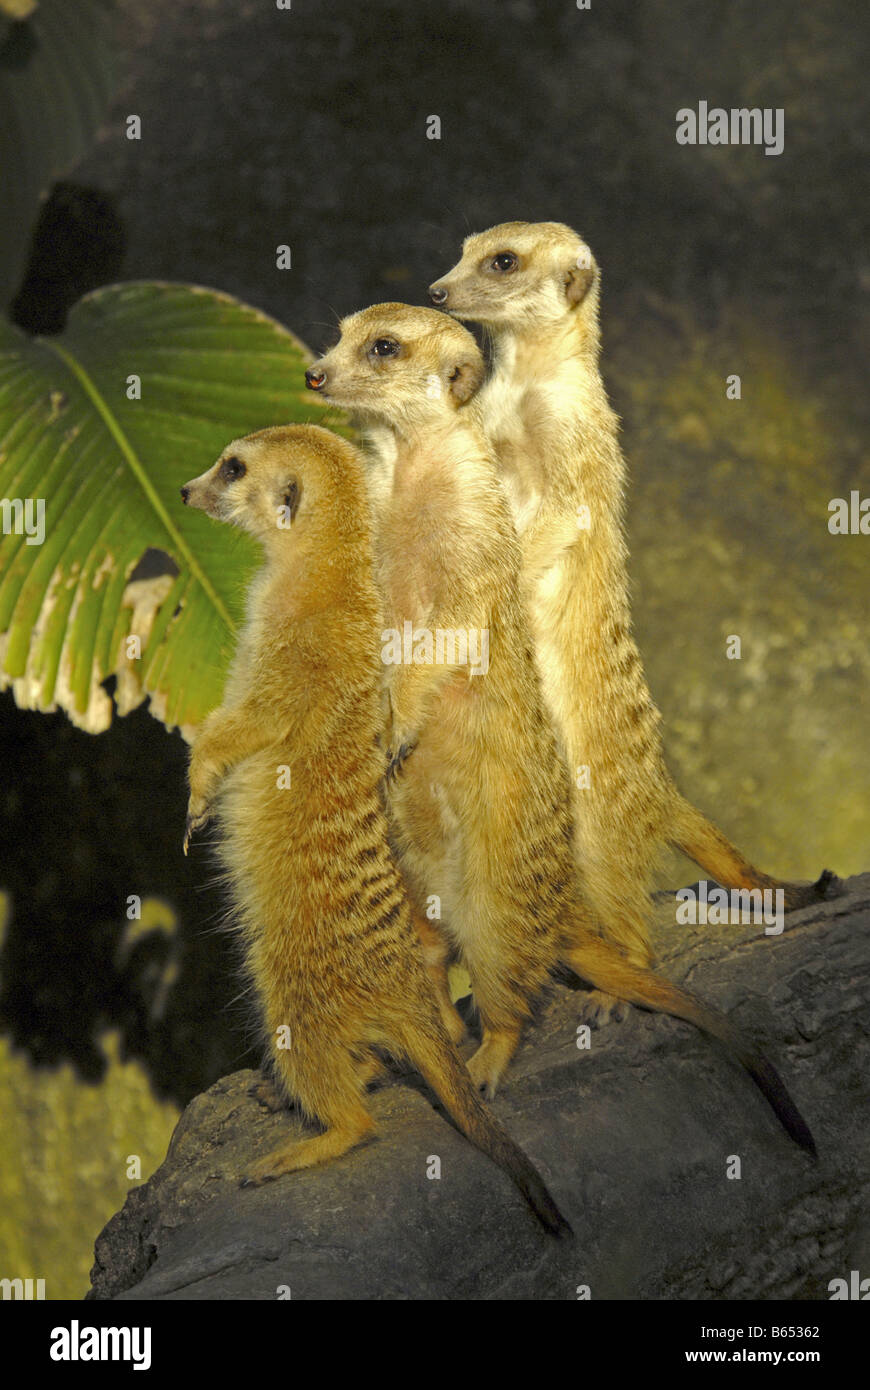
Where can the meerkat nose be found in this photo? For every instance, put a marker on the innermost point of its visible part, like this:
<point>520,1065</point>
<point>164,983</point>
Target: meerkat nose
<point>437,295</point>
<point>314,379</point>
<point>185,493</point>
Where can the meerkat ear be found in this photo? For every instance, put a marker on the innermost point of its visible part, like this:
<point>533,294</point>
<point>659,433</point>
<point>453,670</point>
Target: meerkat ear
<point>578,283</point>
<point>464,380</point>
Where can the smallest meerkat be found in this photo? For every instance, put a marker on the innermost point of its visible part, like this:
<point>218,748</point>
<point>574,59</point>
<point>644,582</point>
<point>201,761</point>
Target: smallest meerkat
<point>291,765</point>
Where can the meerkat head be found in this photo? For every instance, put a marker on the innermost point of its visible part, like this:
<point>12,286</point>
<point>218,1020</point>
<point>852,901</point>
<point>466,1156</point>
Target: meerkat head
<point>273,481</point>
<point>519,274</point>
<point>396,363</point>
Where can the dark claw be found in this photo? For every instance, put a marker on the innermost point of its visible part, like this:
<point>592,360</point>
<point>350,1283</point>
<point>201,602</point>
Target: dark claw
<point>266,1094</point>
<point>191,825</point>
<point>395,761</point>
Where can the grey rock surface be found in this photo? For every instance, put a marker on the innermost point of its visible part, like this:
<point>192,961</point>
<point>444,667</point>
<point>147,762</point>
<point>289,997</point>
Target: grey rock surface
<point>634,1136</point>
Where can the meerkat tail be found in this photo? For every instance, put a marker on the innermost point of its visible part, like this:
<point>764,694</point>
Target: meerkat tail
<point>594,960</point>
<point>691,832</point>
<point>443,1069</point>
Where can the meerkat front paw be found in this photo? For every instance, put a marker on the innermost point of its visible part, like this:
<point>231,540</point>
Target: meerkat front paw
<point>395,760</point>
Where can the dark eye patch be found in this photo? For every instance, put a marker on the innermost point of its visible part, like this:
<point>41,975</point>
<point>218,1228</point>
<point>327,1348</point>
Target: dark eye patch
<point>231,469</point>
<point>504,261</point>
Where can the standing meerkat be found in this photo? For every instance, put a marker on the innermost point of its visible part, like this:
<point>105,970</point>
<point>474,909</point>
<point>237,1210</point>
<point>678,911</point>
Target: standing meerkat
<point>290,764</point>
<point>534,288</point>
<point>480,795</point>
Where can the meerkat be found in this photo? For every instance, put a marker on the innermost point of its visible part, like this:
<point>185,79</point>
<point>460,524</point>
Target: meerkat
<point>290,765</point>
<point>479,794</point>
<point>534,288</point>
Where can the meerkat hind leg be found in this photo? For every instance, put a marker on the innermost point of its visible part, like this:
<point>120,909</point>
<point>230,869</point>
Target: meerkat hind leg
<point>267,1093</point>
<point>329,1085</point>
<point>354,1127</point>
<point>625,924</point>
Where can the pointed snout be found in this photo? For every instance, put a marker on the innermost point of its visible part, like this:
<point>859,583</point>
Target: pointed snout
<point>315,378</point>
<point>195,493</point>
<point>438,295</point>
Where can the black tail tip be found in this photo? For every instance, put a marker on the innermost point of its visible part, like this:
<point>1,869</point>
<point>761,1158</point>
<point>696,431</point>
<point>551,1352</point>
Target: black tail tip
<point>794,1123</point>
<point>827,885</point>
<point>560,1228</point>
<point>803,1136</point>
<point>771,1085</point>
<point>826,879</point>
<point>547,1213</point>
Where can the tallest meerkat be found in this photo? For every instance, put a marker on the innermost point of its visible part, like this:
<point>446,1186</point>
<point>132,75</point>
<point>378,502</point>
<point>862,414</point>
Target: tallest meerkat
<point>534,287</point>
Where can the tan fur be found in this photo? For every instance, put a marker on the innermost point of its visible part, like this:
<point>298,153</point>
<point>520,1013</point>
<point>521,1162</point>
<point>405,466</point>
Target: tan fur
<point>480,795</point>
<point>546,416</point>
<point>326,924</point>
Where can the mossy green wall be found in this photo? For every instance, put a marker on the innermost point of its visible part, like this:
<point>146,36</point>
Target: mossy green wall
<point>728,525</point>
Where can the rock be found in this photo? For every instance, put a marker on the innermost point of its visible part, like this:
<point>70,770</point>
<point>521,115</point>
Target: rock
<point>634,1136</point>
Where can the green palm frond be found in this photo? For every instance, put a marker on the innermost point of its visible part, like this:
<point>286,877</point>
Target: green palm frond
<point>107,469</point>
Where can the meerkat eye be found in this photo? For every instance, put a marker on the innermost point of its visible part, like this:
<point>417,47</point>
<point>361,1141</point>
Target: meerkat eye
<point>231,469</point>
<point>504,261</point>
<point>385,347</point>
